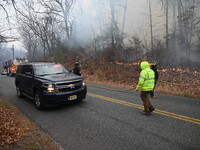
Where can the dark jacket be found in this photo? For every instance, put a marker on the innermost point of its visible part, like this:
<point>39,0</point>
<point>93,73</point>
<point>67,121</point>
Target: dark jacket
<point>77,70</point>
<point>154,68</point>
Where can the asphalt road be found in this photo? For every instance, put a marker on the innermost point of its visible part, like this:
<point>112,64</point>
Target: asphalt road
<point>108,120</point>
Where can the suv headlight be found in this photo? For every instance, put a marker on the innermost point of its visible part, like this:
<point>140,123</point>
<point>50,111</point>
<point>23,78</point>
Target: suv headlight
<point>49,87</point>
<point>83,83</point>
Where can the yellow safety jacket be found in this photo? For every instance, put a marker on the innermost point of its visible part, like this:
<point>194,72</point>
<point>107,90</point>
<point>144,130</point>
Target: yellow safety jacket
<point>147,77</point>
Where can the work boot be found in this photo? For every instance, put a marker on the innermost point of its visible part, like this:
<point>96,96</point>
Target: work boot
<point>152,97</point>
<point>151,109</point>
<point>147,113</point>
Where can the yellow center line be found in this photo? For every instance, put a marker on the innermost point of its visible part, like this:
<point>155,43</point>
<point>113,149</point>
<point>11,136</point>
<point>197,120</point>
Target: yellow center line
<point>161,112</point>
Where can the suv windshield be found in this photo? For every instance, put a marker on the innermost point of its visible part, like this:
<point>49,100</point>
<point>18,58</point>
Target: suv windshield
<point>49,69</point>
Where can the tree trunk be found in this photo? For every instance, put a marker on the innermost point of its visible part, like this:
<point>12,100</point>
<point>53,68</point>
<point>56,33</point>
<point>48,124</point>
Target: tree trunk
<point>180,23</point>
<point>167,32</point>
<point>151,28</point>
<point>112,7</point>
<point>124,18</point>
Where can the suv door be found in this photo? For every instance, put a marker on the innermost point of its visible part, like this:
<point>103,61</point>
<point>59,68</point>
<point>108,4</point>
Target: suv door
<point>27,83</point>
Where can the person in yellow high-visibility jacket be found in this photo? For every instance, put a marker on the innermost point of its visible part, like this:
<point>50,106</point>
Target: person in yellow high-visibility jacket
<point>145,85</point>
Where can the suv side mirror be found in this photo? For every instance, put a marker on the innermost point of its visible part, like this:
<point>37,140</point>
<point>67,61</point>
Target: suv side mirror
<point>28,74</point>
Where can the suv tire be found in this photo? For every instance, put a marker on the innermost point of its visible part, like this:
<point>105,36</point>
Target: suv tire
<point>19,93</point>
<point>38,100</point>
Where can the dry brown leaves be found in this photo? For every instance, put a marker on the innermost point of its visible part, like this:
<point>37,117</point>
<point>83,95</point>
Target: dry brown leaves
<point>18,132</point>
<point>127,76</point>
<point>186,78</point>
<point>10,132</point>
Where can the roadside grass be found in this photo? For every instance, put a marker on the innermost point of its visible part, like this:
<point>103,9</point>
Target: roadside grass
<point>20,133</point>
<point>126,75</point>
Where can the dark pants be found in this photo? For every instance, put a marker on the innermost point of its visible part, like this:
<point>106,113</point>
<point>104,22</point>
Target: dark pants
<point>146,102</point>
<point>151,93</point>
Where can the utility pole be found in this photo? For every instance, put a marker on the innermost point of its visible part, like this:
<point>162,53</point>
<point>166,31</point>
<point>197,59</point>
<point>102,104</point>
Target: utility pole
<point>13,49</point>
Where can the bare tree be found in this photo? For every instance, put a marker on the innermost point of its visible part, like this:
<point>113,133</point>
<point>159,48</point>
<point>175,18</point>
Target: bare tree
<point>166,5</point>
<point>4,37</point>
<point>188,20</point>
<point>61,8</point>
<point>42,27</point>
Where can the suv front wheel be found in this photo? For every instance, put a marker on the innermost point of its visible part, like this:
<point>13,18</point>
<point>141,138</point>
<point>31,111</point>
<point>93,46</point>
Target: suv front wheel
<point>38,101</point>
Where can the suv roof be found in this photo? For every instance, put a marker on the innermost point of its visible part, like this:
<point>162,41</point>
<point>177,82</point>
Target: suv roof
<point>36,63</point>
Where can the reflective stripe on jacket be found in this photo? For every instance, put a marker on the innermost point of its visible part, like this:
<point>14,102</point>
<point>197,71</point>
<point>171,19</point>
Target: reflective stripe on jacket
<point>147,78</point>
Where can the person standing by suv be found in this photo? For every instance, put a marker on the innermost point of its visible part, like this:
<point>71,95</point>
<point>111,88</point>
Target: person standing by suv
<point>76,70</point>
<point>145,85</point>
<point>154,68</point>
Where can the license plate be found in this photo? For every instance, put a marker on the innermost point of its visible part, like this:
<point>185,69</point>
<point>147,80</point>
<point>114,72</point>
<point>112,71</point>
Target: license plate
<point>72,97</point>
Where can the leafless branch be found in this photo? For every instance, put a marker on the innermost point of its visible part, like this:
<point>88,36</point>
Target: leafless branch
<point>7,16</point>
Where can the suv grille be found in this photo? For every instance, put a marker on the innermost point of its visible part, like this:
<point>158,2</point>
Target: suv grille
<point>68,86</point>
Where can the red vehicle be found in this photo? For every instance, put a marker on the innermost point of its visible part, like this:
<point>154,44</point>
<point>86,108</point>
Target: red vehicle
<point>12,65</point>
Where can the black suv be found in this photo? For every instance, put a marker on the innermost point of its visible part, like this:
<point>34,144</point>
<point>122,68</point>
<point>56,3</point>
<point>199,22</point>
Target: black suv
<point>49,84</point>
